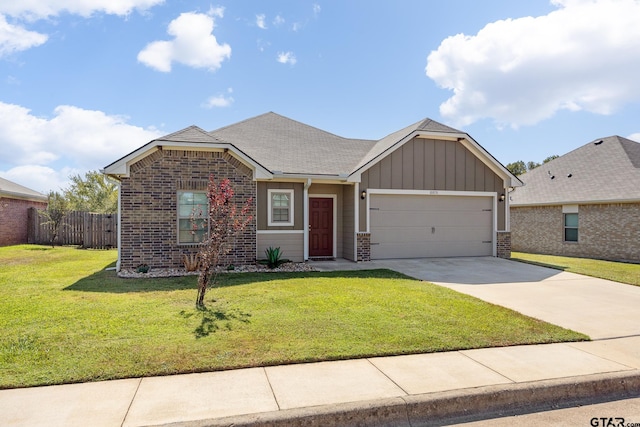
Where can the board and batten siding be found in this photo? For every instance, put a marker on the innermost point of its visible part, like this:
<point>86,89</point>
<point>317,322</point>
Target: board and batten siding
<point>431,164</point>
<point>263,204</point>
<point>291,244</point>
<point>348,223</point>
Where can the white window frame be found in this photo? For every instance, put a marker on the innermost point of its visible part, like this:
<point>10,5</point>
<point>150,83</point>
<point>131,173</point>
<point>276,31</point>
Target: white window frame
<point>570,209</point>
<point>270,221</point>
<point>204,215</point>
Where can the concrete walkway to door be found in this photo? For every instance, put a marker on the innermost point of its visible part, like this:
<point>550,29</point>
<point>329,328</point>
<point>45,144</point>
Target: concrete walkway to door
<point>596,307</point>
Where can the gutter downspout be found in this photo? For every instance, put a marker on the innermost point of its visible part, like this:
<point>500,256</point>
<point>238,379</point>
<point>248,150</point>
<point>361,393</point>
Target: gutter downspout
<point>305,215</point>
<point>118,263</point>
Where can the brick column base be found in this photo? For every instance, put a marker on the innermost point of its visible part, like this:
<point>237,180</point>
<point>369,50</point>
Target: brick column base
<point>363,241</point>
<point>503,244</point>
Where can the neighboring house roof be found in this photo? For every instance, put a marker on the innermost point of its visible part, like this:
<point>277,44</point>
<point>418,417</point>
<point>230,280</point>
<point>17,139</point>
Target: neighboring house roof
<point>604,170</point>
<point>285,145</point>
<point>279,146</point>
<point>16,191</point>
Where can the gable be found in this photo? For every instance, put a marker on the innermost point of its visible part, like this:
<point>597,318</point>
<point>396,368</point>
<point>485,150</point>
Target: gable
<point>432,164</point>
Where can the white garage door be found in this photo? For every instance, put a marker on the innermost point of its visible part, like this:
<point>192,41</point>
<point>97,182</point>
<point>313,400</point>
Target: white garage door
<point>421,226</point>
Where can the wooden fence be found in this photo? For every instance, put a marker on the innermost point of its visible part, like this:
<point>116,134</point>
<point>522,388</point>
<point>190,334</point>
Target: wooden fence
<point>89,230</point>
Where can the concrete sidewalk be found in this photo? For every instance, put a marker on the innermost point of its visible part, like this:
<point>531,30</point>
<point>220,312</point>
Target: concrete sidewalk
<point>395,390</point>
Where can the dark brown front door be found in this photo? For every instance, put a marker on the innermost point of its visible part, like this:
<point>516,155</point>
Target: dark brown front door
<point>320,227</point>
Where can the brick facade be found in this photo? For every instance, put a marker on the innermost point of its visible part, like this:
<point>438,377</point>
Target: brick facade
<point>503,244</point>
<point>605,231</point>
<point>149,216</point>
<point>14,219</point>
<point>363,240</point>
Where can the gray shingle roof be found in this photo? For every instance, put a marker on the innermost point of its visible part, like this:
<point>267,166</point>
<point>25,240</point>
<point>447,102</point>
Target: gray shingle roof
<point>11,189</point>
<point>390,140</point>
<point>606,171</point>
<point>190,134</point>
<point>285,145</point>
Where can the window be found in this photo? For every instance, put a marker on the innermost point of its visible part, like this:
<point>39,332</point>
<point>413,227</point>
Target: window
<point>192,216</point>
<point>571,227</point>
<point>280,209</point>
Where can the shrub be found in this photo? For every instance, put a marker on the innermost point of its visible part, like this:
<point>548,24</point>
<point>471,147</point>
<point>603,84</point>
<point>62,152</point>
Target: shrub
<point>274,258</point>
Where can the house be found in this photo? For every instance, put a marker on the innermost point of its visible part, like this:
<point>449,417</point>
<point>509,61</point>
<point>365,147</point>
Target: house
<point>584,204</point>
<point>427,190</point>
<point>15,201</point>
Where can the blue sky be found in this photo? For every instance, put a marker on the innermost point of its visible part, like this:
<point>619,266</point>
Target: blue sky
<point>83,83</point>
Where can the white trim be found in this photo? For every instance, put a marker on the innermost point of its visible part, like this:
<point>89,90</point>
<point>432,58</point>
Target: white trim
<point>119,261</point>
<point>467,141</point>
<point>569,209</point>
<point>335,218</point>
<point>178,217</point>
<point>279,231</point>
<point>356,220</point>
<point>429,193</point>
<point>121,167</point>
<point>290,192</point>
<point>305,219</point>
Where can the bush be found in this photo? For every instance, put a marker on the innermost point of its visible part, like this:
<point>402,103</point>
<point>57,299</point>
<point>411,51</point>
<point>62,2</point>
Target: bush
<point>274,258</point>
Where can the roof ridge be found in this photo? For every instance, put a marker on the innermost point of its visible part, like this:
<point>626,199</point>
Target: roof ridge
<point>176,135</point>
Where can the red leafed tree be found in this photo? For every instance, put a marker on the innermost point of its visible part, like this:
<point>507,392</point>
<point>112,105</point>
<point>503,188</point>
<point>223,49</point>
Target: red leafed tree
<point>225,221</point>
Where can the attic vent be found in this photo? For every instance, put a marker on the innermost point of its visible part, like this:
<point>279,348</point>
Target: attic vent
<point>598,142</point>
<point>570,175</point>
<point>553,176</point>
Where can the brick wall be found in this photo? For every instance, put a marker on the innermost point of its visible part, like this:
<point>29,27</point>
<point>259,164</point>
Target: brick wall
<point>13,219</point>
<point>363,240</point>
<point>149,227</point>
<point>606,231</point>
<point>503,244</point>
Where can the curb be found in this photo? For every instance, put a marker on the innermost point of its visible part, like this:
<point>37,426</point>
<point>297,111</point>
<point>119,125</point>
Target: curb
<point>434,409</point>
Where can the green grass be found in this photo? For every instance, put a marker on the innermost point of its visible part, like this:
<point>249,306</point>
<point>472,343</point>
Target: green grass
<point>617,271</point>
<point>64,319</point>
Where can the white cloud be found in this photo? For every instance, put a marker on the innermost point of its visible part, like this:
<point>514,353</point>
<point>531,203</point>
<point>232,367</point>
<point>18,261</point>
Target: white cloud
<point>583,56</point>
<point>193,45</point>
<point>297,26</point>
<point>14,38</point>
<point>316,9</point>
<point>278,20</point>
<point>287,58</point>
<point>260,21</point>
<point>220,100</point>
<point>634,136</point>
<point>40,9</point>
<point>74,139</point>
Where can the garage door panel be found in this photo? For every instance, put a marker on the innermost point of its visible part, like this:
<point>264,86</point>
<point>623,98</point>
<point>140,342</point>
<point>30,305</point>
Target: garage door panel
<point>432,218</point>
<point>421,226</point>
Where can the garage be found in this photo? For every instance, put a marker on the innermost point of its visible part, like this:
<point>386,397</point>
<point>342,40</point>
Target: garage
<point>430,226</point>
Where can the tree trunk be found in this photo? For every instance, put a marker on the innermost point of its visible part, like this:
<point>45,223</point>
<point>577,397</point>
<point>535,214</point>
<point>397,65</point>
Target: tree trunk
<point>203,281</point>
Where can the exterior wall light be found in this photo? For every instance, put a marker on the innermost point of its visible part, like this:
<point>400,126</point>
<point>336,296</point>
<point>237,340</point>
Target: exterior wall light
<point>363,195</point>
<point>502,197</point>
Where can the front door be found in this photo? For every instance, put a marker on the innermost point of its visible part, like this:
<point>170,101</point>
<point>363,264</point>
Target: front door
<point>320,227</point>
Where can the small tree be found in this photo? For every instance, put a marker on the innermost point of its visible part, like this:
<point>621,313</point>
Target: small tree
<point>93,193</point>
<point>57,209</point>
<point>226,221</point>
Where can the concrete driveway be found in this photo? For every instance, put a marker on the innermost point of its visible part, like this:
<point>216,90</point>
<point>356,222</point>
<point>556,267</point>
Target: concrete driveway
<point>596,307</point>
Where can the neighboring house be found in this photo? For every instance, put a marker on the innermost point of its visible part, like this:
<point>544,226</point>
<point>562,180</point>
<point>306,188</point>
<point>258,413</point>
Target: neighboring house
<point>585,203</point>
<point>427,190</point>
<point>15,201</point>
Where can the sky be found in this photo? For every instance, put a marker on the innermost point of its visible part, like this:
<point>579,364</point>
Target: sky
<point>85,82</point>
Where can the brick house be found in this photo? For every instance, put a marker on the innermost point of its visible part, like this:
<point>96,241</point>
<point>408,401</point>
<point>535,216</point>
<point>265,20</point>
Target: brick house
<point>15,201</point>
<point>584,204</point>
<point>427,190</point>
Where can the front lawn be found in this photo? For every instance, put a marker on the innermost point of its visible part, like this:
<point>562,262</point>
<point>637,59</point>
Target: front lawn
<point>617,271</point>
<point>64,319</point>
